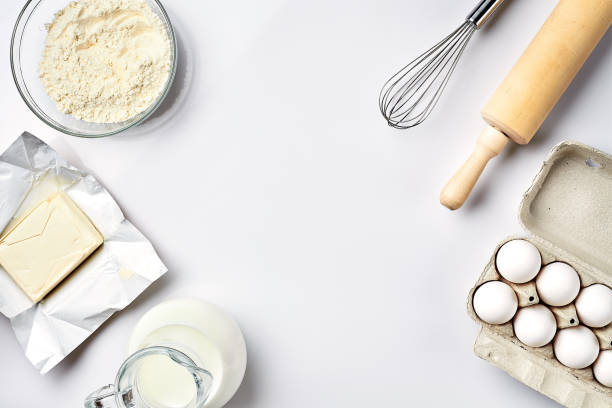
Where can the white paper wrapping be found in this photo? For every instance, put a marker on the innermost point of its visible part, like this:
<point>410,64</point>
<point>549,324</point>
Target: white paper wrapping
<point>109,280</point>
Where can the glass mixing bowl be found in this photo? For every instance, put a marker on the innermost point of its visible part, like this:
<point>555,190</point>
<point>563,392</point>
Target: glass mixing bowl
<point>27,44</point>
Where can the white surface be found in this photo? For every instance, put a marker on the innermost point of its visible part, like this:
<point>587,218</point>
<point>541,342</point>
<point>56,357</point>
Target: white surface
<point>303,214</point>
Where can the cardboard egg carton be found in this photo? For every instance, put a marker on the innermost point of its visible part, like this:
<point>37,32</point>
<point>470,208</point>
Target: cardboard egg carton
<point>567,213</point>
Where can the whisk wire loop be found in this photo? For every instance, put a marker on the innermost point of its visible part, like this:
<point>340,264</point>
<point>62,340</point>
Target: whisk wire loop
<point>428,74</point>
<point>410,95</point>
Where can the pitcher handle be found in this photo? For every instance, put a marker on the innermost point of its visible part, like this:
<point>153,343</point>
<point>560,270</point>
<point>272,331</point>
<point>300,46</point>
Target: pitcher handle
<point>103,397</point>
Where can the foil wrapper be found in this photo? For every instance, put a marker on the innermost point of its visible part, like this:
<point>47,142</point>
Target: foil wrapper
<point>109,280</point>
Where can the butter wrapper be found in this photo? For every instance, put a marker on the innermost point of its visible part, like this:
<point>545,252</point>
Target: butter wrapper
<point>109,280</point>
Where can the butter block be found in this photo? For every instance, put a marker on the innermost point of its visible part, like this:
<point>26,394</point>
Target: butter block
<point>47,244</point>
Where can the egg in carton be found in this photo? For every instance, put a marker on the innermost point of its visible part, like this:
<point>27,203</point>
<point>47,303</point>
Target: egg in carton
<point>568,214</point>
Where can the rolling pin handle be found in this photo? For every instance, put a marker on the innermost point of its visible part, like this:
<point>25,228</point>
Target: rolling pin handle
<point>490,143</point>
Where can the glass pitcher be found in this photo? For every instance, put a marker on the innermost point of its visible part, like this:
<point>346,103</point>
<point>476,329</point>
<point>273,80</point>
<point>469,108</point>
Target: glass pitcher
<point>155,377</point>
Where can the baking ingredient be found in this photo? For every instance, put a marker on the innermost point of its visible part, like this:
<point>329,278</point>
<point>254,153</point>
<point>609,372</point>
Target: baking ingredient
<point>558,284</point>
<point>518,261</point>
<point>576,347</point>
<point>602,369</point>
<point>50,330</point>
<point>47,244</point>
<point>594,306</point>
<point>161,381</point>
<point>495,302</point>
<point>105,61</point>
<point>535,325</point>
<point>203,331</point>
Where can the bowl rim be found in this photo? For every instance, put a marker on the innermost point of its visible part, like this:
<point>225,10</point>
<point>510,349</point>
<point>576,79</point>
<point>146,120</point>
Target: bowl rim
<point>147,113</point>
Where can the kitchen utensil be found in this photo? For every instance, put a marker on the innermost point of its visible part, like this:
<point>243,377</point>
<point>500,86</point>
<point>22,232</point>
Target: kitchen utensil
<point>534,85</point>
<point>172,342</point>
<point>130,391</point>
<point>410,95</point>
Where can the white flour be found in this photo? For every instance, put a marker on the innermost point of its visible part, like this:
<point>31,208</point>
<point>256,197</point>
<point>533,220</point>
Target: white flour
<point>105,60</point>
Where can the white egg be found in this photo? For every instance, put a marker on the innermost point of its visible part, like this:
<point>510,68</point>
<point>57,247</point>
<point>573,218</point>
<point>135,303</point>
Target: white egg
<point>518,261</point>
<point>495,302</point>
<point>594,305</point>
<point>602,369</point>
<point>576,347</point>
<point>535,326</point>
<point>558,284</point>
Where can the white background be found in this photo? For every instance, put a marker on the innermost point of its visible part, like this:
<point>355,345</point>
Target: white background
<point>270,184</point>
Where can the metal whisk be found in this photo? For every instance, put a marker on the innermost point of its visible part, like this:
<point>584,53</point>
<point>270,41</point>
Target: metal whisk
<point>409,96</point>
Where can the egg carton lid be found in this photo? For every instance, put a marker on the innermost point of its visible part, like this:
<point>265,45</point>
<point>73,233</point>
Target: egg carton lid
<point>568,207</point>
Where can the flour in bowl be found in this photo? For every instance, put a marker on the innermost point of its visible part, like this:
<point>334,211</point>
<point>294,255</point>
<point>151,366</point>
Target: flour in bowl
<point>105,61</point>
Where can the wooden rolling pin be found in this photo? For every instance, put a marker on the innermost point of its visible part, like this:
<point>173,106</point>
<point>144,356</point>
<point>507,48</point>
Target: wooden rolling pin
<point>534,85</point>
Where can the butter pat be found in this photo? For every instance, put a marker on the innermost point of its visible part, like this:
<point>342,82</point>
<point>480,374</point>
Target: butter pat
<point>47,244</point>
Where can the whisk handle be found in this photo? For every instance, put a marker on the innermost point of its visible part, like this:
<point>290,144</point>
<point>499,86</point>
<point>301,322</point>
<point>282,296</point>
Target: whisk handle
<point>483,11</point>
<point>490,143</point>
